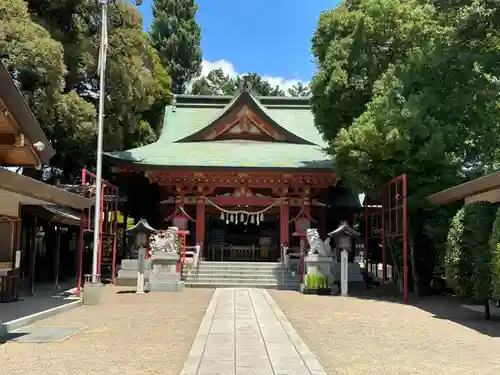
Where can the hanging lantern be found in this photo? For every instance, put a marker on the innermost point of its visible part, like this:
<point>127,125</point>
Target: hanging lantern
<point>222,215</point>
<point>302,224</point>
<point>258,221</point>
<point>236,218</point>
<point>180,221</point>
<point>261,216</point>
<point>230,218</point>
<point>227,220</point>
<point>252,219</point>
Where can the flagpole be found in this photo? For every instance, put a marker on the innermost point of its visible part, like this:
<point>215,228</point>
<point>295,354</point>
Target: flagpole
<point>98,184</point>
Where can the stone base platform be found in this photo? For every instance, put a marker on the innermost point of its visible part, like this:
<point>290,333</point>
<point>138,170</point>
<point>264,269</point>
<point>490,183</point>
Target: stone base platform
<point>164,276</point>
<point>165,286</point>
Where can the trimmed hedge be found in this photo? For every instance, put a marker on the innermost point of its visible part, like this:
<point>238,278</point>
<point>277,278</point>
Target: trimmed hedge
<point>482,216</point>
<point>468,255</point>
<point>495,258</point>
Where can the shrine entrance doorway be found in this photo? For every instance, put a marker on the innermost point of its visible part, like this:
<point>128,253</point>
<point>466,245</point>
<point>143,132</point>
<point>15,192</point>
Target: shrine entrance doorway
<point>245,242</point>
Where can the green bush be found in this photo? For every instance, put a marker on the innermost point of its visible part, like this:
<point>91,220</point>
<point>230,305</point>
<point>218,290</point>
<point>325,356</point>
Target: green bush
<point>495,258</point>
<point>467,258</point>
<point>481,217</point>
<point>316,281</point>
<point>457,264</point>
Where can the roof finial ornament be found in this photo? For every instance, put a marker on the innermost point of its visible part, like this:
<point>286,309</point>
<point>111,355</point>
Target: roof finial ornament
<point>241,87</point>
<point>248,86</point>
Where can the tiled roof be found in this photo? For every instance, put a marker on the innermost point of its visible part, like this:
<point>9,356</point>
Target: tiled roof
<point>190,114</point>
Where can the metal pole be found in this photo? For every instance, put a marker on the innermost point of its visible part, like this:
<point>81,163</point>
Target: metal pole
<point>384,266</point>
<point>405,241</point>
<point>102,71</point>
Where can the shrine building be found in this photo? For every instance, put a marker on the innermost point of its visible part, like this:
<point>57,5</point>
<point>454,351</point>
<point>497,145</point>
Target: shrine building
<point>242,174</point>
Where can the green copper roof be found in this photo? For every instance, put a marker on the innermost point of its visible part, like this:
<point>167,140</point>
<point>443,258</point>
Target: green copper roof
<point>190,114</point>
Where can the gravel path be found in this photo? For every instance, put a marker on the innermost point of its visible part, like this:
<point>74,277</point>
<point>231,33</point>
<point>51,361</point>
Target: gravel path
<point>366,336</point>
<point>127,335</point>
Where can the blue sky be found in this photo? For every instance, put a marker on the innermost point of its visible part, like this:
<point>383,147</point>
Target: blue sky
<point>271,37</point>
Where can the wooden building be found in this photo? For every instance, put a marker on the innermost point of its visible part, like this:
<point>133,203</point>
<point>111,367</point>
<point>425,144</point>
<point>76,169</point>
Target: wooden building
<point>22,144</point>
<point>238,172</point>
<point>486,188</point>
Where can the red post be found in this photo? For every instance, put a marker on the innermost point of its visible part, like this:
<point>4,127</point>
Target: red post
<point>80,241</point>
<point>115,234</point>
<point>382,236</point>
<point>405,243</point>
<point>302,265</point>
<point>80,256</point>
<point>367,228</point>
<point>284,222</point>
<point>200,220</point>
<point>99,249</point>
<point>183,251</point>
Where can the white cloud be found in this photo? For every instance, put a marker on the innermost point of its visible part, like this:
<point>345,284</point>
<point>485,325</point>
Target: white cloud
<point>229,69</point>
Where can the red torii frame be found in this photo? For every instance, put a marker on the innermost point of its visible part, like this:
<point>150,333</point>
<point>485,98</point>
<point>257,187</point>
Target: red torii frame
<point>387,222</point>
<point>108,225</point>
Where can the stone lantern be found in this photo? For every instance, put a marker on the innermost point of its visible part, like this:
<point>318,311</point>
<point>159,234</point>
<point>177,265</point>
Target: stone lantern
<point>344,236</point>
<point>141,233</point>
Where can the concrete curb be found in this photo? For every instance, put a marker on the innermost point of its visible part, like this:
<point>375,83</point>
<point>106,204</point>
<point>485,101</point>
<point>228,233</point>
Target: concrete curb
<point>8,327</point>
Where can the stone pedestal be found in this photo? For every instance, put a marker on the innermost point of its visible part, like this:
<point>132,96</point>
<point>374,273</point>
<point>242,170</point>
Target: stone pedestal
<point>127,275</point>
<point>322,265</point>
<point>353,272</point>
<point>164,276</point>
<point>92,293</point>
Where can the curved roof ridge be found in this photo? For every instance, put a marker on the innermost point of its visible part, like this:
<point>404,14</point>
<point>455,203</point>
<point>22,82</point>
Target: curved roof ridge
<point>244,96</point>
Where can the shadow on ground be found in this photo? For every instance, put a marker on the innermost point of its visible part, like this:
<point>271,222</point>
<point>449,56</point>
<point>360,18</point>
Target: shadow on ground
<point>132,291</point>
<point>441,307</point>
<point>10,336</point>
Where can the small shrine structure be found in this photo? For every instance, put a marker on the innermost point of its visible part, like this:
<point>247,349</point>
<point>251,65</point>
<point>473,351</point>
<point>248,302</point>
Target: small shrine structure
<point>235,172</point>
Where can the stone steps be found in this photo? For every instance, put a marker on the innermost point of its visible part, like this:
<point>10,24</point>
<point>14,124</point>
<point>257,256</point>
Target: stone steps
<point>240,274</point>
<point>213,284</point>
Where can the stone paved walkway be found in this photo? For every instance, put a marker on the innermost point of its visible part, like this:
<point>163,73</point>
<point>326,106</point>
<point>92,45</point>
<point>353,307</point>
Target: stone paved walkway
<point>244,332</point>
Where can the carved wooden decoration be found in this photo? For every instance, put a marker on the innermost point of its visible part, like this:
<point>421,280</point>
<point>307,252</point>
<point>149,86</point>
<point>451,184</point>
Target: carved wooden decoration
<point>242,123</point>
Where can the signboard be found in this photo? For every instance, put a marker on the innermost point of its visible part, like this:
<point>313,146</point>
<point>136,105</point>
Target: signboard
<point>17,262</point>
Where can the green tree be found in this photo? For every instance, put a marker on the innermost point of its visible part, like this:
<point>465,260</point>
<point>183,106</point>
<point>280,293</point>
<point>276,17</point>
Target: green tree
<point>468,257</point>
<point>354,44</point>
<point>495,258</point>
<point>52,48</point>
<point>299,90</point>
<point>458,261</point>
<point>176,35</point>
<point>260,86</point>
<point>37,62</point>
<point>427,108</point>
<point>215,83</point>
<point>218,83</point>
<point>478,233</point>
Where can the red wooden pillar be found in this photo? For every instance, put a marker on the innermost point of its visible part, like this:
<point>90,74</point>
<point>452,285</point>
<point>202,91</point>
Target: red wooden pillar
<point>200,220</point>
<point>284,222</point>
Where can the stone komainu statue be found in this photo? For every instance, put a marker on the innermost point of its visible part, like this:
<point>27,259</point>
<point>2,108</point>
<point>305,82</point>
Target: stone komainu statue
<point>316,245</point>
<point>165,241</point>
